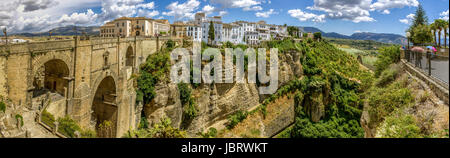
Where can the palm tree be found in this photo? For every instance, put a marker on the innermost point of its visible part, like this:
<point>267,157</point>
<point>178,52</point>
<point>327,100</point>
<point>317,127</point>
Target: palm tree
<point>445,33</point>
<point>440,25</point>
<point>433,30</point>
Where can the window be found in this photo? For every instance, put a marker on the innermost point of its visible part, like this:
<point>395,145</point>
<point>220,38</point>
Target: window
<point>123,24</point>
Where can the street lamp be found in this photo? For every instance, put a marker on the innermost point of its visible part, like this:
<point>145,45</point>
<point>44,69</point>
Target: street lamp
<point>408,35</point>
<point>6,35</point>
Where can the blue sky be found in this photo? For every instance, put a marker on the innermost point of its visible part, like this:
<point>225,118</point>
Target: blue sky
<point>341,16</point>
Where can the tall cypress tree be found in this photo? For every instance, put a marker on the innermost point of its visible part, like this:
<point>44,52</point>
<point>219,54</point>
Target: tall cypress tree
<point>420,18</point>
<point>420,21</point>
<point>211,34</point>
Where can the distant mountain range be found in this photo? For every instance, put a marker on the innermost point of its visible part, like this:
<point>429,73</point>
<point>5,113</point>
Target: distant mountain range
<point>379,37</point>
<point>66,31</point>
<point>94,30</point>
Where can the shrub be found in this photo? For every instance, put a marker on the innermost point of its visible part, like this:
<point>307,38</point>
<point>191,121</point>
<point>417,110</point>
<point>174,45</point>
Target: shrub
<point>236,118</point>
<point>152,71</point>
<point>189,106</point>
<point>67,127</point>
<point>2,106</point>
<point>18,116</point>
<point>159,130</point>
<point>383,101</point>
<point>88,134</point>
<point>170,44</point>
<point>48,119</point>
<point>143,124</point>
<point>388,76</point>
<point>424,97</point>
<point>403,126</point>
<point>212,133</point>
<point>387,56</point>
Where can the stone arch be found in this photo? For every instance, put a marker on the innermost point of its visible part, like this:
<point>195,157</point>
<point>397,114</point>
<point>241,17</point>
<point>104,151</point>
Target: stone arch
<point>130,56</point>
<point>39,61</point>
<point>104,107</point>
<point>52,76</point>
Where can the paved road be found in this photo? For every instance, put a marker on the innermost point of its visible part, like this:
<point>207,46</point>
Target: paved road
<point>439,67</point>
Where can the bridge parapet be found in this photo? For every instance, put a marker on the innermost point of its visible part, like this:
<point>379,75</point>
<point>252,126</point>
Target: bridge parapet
<point>36,46</point>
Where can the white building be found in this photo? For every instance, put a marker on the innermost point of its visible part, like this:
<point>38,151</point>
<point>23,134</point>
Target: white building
<point>138,26</point>
<point>218,29</point>
<point>239,32</point>
<point>195,32</point>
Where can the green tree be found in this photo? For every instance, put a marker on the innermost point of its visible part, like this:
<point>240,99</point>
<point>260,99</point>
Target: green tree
<point>420,17</point>
<point>434,31</point>
<point>211,33</point>
<point>445,33</point>
<point>440,25</point>
<point>293,31</point>
<point>317,36</point>
<point>422,34</point>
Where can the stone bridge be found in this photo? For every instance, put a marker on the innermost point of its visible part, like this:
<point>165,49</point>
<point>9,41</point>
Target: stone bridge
<point>88,79</point>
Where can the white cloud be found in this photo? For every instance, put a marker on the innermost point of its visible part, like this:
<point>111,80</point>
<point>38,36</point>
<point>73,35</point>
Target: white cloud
<point>182,10</point>
<point>303,16</point>
<point>222,13</point>
<point>254,8</point>
<point>385,5</point>
<point>245,4</point>
<point>150,5</point>
<point>78,18</point>
<point>408,19</point>
<point>444,15</point>
<point>265,14</point>
<point>208,9</point>
<point>353,10</point>
<point>42,15</point>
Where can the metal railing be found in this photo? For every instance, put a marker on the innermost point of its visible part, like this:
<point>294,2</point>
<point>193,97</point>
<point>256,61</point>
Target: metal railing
<point>431,64</point>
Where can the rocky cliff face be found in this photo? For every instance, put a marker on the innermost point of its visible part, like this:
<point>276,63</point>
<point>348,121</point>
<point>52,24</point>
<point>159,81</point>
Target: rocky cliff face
<point>215,102</point>
<point>166,104</point>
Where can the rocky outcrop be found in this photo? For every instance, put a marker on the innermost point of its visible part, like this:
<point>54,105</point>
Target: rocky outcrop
<point>215,102</point>
<point>315,106</point>
<point>166,104</point>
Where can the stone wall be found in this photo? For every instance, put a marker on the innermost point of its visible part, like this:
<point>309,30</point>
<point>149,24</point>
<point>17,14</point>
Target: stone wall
<point>3,77</point>
<point>89,62</point>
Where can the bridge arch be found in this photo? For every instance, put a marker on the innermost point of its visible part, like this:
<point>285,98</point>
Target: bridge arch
<point>52,76</point>
<point>130,57</point>
<point>105,108</point>
<point>40,60</point>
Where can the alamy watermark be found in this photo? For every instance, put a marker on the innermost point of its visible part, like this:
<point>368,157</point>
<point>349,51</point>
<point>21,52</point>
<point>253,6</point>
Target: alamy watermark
<point>217,71</point>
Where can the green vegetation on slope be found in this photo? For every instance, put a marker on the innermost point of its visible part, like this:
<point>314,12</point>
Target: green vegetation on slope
<point>190,110</point>
<point>158,130</point>
<point>333,83</point>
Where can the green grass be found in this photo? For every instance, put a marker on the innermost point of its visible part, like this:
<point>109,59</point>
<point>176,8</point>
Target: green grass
<point>2,106</point>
